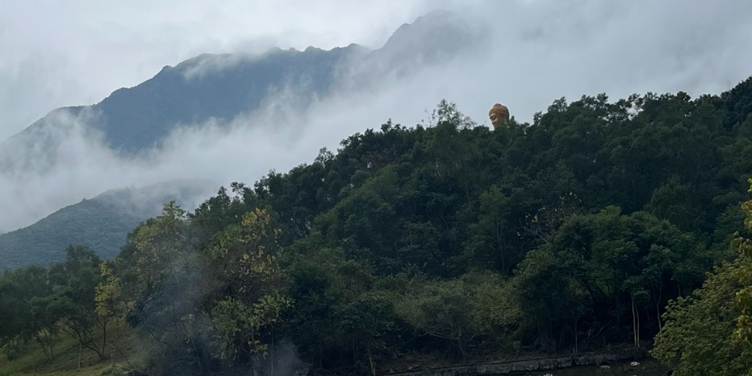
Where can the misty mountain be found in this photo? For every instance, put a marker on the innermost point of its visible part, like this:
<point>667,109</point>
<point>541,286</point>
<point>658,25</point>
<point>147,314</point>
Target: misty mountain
<point>102,223</point>
<point>431,39</point>
<point>208,87</point>
<point>222,86</point>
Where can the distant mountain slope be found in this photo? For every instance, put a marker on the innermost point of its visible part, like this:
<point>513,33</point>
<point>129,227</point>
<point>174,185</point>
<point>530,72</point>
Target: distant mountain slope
<point>198,89</point>
<point>206,87</point>
<point>225,86</point>
<point>136,119</point>
<point>101,223</point>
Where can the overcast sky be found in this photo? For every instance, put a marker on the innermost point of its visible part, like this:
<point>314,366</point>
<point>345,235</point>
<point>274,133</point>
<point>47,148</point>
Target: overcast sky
<point>54,55</point>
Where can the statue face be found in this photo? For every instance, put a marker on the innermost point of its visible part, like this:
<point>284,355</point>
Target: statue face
<point>495,119</point>
<point>499,115</point>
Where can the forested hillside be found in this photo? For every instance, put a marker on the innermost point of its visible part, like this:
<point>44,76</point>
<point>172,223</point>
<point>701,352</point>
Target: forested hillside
<point>448,240</point>
<point>101,223</point>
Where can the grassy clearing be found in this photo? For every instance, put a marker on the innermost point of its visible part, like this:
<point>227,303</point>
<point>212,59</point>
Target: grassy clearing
<point>66,361</point>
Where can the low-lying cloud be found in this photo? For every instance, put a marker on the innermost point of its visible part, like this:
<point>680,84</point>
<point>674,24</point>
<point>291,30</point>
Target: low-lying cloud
<point>531,54</point>
<point>53,54</point>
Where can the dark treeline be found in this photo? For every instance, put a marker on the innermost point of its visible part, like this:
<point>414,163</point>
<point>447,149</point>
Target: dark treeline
<point>570,234</point>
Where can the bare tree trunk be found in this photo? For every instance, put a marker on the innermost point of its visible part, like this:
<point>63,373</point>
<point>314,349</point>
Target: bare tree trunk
<point>124,356</point>
<point>104,340</point>
<point>272,352</point>
<point>635,324</point>
<point>658,308</point>
<point>637,319</point>
<point>500,243</point>
<point>370,361</point>
<point>46,343</point>
<point>576,344</point>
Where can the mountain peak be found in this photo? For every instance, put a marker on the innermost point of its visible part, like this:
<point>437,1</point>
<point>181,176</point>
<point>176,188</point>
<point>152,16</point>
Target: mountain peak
<point>430,38</point>
<point>432,28</point>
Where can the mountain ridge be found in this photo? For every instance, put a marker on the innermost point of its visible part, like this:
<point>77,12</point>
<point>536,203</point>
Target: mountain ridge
<point>136,118</point>
<point>100,223</point>
<point>220,87</point>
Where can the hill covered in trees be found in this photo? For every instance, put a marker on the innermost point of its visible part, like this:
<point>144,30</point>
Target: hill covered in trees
<point>101,223</point>
<point>570,234</point>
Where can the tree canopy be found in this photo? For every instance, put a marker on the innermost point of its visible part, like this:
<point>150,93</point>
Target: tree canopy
<point>590,227</point>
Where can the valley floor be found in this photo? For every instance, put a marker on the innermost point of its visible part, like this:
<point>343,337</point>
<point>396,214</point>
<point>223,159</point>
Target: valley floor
<point>71,361</point>
<point>626,362</point>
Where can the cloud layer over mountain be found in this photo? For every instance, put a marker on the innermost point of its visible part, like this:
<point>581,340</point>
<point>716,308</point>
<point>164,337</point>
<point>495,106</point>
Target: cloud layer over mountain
<point>55,54</point>
<point>527,55</point>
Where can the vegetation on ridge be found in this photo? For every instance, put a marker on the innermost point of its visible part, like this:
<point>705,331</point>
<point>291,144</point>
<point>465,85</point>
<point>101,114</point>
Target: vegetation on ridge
<point>570,234</point>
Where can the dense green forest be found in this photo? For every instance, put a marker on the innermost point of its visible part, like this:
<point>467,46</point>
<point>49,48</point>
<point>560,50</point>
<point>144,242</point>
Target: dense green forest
<point>601,224</point>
